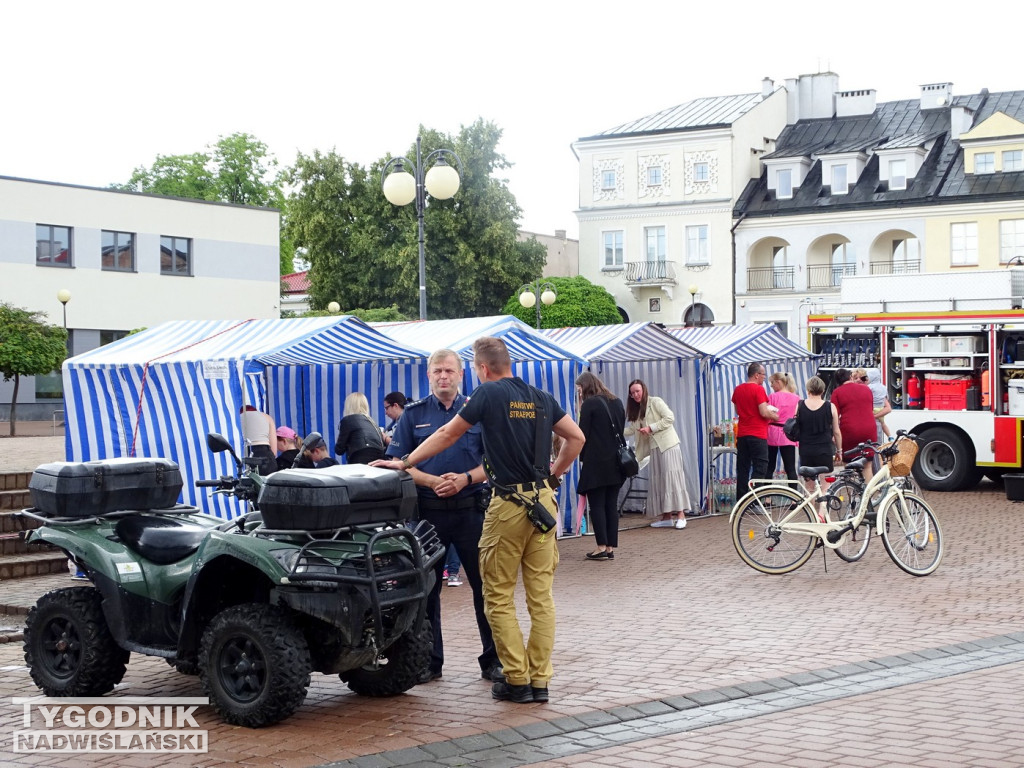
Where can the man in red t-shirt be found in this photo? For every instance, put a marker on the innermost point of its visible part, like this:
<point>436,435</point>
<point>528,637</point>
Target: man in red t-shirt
<point>755,414</point>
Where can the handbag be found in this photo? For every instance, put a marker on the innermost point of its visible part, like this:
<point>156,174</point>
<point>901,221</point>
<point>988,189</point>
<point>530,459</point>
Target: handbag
<point>625,457</point>
<point>791,429</point>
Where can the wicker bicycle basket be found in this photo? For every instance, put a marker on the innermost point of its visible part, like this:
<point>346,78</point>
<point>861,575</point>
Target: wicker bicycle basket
<point>901,463</point>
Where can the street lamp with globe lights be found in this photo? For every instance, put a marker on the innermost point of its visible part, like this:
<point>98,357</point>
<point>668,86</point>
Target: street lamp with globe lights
<point>334,307</point>
<point>400,187</point>
<point>64,296</point>
<point>536,293</point>
<point>693,289</point>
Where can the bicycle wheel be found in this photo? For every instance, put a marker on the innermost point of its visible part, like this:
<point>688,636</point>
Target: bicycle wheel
<point>844,500</point>
<point>759,539</point>
<point>911,534</point>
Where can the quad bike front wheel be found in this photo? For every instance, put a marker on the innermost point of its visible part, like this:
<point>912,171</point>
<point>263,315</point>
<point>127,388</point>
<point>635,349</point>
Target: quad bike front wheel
<point>68,647</point>
<point>397,667</point>
<point>254,665</point>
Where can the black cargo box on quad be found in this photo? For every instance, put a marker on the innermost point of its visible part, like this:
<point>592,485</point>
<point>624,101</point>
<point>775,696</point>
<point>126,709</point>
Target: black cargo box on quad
<point>90,488</point>
<point>333,497</point>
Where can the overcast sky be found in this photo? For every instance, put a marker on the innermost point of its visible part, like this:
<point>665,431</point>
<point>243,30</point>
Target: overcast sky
<point>92,90</point>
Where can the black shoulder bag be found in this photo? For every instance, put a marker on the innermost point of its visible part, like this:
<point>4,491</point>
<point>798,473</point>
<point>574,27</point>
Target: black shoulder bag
<point>628,464</point>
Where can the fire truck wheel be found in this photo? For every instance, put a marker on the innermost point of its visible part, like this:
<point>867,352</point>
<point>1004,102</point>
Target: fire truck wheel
<point>945,461</point>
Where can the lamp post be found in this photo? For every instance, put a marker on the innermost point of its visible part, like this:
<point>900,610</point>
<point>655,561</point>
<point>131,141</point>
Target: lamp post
<point>536,293</point>
<point>693,305</point>
<point>401,188</point>
<point>64,296</point>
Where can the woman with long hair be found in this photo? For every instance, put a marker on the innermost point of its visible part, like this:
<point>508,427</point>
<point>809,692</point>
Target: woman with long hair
<point>602,419</point>
<point>650,419</point>
<point>359,437</point>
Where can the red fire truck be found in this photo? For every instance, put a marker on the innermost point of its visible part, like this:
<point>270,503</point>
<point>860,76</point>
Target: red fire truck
<point>955,378</point>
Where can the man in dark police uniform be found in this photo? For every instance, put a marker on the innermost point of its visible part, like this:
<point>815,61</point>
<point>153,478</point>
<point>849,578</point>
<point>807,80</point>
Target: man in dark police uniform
<point>452,497</point>
<point>516,421</point>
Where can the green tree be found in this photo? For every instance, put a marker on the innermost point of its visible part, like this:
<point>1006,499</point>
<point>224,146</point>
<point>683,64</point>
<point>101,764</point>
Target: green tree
<point>236,169</point>
<point>579,303</point>
<point>364,252</point>
<point>29,346</point>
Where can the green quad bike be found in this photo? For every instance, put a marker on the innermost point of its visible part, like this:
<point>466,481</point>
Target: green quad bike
<point>329,574</point>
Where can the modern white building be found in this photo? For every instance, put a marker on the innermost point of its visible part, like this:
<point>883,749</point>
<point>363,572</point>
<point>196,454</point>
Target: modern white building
<point>128,261</point>
<point>656,197</point>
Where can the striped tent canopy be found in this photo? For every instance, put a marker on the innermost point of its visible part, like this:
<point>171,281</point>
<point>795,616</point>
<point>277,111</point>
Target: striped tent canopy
<point>535,358</point>
<point>670,368</point>
<point>158,393</point>
<point>730,349</point>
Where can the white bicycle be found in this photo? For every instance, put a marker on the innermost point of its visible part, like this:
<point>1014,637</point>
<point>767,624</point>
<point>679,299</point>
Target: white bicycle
<point>775,528</point>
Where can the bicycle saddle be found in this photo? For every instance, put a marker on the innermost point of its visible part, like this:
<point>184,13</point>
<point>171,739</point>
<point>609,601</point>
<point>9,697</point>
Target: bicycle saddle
<point>812,472</point>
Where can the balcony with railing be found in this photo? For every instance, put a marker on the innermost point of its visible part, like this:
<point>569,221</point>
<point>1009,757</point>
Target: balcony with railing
<point>825,278</point>
<point>653,273</point>
<point>895,267</point>
<point>770,280</point>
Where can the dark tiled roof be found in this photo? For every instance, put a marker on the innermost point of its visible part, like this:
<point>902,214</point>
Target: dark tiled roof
<point>893,125</point>
<point>699,113</point>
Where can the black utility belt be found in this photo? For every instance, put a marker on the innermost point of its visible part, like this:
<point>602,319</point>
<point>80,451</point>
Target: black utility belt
<point>532,485</point>
<point>459,502</point>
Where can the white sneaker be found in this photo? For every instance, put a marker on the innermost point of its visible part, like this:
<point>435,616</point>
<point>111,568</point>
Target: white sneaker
<point>454,580</point>
<point>662,524</point>
<point>681,523</point>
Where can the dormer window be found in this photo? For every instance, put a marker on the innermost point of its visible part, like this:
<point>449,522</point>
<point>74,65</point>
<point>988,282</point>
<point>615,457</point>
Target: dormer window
<point>839,182</point>
<point>784,184</point>
<point>985,162</point>
<point>608,180</point>
<point>1013,160</point>
<point>897,174</point>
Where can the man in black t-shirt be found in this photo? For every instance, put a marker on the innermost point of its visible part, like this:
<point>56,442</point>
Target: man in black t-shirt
<point>510,412</point>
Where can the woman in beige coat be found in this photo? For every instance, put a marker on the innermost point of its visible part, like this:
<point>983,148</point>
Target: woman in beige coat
<point>650,419</point>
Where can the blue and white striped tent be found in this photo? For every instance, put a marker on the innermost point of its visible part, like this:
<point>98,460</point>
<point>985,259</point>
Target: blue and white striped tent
<point>535,359</point>
<point>157,393</point>
<point>670,369</point>
<point>729,350</point>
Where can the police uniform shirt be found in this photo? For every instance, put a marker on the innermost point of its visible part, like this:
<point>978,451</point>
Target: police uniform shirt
<point>505,410</point>
<point>423,418</point>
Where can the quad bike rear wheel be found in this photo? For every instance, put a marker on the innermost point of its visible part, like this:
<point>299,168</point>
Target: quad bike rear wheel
<point>397,667</point>
<point>254,664</point>
<point>68,647</point>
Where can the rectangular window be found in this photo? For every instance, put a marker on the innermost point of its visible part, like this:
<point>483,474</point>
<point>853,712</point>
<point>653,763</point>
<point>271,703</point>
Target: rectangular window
<point>782,272</point>
<point>1011,240</point>
<point>654,176</point>
<point>655,238</point>
<point>109,337</point>
<point>613,249</point>
<point>53,246</point>
<point>607,179</point>
<point>117,251</point>
<point>844,262</point>
<point>839,185</point>
<point>1013,160</point>
<point>784,184</point>
<point>700,171</point>
<point>985,162</point>
<point>175,255</point>
<point>897,174</point>
<point>697,244</point>
<point>963,244</point>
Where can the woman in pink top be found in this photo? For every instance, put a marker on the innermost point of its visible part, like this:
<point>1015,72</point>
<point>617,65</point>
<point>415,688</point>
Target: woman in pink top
<point>784,398</point>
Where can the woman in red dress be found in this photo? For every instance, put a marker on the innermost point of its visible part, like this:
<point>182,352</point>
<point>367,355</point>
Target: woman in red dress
<point>855,405</point>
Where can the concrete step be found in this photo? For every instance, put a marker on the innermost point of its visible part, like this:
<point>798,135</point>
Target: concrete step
<point>17,597</point>
<point>9,523</point>
<point>14,481</point>
<point>15,499</point>
<point>13,544</point>
<point>32,564</point>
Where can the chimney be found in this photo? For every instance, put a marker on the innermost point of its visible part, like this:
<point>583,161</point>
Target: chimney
<point>812,96</point>
<point>936,96</point>
<point>960,121</point>
<point>853,103</point>
<point>560,234</point>
<point>767,86</point>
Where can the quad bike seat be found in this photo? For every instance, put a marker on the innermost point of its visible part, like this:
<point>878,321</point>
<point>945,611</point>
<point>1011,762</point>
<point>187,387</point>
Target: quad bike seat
<point>160,540</point>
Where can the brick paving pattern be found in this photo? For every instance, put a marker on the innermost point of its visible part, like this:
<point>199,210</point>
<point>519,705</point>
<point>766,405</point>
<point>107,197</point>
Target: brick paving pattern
<point>677,618</point>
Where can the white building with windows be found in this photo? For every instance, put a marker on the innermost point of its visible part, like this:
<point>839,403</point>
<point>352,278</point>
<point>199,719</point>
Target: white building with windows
<point>656,200</point>
<point>926,185</point>
<point>128,261</point>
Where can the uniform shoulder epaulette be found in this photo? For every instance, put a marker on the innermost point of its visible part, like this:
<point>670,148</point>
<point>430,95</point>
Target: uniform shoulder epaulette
<point>415,403</point>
